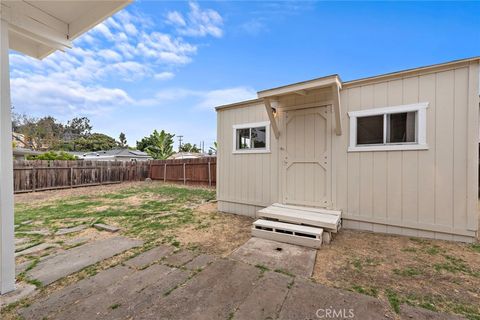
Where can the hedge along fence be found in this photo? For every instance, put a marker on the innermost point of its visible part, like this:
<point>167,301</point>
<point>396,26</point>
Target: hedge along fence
<point>201,171</point>
<point>39,175</point>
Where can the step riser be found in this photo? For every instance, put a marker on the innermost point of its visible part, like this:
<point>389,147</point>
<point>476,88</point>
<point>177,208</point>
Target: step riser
<point>295,220</point>
<point>287,238</point>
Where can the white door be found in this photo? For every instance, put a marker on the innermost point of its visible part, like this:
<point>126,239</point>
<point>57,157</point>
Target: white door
<point>306,153</point>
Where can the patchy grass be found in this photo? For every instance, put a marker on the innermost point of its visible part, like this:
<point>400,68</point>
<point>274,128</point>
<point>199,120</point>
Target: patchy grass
<point>365,290</point>
<point>436,275</point>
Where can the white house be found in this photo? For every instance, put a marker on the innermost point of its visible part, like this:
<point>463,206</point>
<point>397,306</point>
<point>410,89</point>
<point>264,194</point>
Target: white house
<point>394,153</point>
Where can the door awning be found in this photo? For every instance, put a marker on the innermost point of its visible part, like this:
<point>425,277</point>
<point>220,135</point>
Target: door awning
<point>332,82</point>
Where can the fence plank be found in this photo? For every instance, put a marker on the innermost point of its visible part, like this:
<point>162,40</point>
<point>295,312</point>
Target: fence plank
<point>38,175</point>
<point>199,171</point>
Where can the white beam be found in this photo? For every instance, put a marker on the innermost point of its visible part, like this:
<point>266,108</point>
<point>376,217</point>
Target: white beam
<point>7,247</point>
<point>337,109</point>
<point>271,116</point>
<point>32,23</point>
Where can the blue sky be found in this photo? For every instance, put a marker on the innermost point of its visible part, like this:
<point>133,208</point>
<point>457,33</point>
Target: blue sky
<point>166,65</point>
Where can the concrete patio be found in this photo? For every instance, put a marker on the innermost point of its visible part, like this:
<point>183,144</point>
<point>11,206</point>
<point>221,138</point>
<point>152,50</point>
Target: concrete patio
<point>166,284</point>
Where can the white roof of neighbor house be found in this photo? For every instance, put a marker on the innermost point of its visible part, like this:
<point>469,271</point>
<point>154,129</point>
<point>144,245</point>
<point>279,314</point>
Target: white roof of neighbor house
<point>188,155</point>
<point>38,28</point>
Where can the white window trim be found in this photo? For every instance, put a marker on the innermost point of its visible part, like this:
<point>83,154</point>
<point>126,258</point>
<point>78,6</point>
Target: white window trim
<point>421,128</point>
<point>265,124</point>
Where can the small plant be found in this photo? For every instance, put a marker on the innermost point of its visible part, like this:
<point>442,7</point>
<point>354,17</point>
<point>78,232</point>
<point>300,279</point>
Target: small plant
<point>475,247</point>
<point>262,268</point>
<point>285,272</point>
<point>366,291</point>
<point>407,272</point>
<point>115,306</point>
<point>393,300</point>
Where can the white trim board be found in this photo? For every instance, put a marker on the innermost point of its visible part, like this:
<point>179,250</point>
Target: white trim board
<point>420,128</point>
<point>265,124</point>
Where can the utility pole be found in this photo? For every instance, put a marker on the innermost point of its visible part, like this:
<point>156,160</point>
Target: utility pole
<point>180,143</point>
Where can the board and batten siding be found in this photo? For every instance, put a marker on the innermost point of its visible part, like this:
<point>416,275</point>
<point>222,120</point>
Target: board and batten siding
<point>429,193</point>
<point>248,181</point>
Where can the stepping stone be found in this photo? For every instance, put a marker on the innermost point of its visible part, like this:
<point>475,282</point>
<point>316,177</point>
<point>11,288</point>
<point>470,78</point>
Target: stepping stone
<point>75,241</point>
<point>146,258</point>
<point>179,258</point>
<point>212,294</point>
<point>21,291</point>
<point>200,262</point>
<point>35,249</point>
<point>105,227</point>
<point>309,300</point>
<point>75,292</point>
<point>277,256</point>
<point>266,299</point>
<point>19,241</point>
<point>63,231</point>
<point>43,232</point>
<point>73,260</point>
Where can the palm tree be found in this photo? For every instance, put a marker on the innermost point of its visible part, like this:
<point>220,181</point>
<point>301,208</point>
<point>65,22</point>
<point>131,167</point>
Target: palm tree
<point>213,149</point>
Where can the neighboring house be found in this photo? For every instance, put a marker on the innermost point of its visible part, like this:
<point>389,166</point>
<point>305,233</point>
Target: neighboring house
<point>394,153</point>
<point>22,153</point>
<point>188,155</point>
<point>19,140</point>
<point>115,154</point>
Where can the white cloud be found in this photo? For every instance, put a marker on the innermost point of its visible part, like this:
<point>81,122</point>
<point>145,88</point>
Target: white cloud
<point>166,75</point>
<point>176,18</point>
<point>200,99</point>
<point>220,97</point>
<point>126,47</point>
<point>39,93</point>
<point>199,22</point>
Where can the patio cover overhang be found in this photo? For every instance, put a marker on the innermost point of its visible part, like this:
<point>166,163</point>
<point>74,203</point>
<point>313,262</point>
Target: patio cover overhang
<point>36,29</point>
<point>303,88</point>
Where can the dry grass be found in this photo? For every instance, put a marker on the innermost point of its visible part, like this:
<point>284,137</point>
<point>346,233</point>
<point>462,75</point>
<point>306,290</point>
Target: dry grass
<point>433,274</point>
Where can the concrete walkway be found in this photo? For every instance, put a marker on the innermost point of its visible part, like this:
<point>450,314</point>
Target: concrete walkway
<point>162,284</point>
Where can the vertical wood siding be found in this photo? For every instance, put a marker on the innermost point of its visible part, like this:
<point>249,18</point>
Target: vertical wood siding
<point>417,193</point>
<point>429,193</point>
<point>250,179</point>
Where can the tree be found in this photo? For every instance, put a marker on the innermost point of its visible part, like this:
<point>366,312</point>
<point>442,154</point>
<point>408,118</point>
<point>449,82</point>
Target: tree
<point>158,145</point>
<point>40,134</point>
<point>93,142</point>
<point>188,147</point>
<point>79,126</point>
<point>213,149</point>
<point>123,140</point>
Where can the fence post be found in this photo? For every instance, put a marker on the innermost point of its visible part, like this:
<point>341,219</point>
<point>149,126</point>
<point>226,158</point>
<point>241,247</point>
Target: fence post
<point>34,179</point>
<point>209,175</point>
<point>165,173</point>
<point>71,177</point>
<point>184,177</point>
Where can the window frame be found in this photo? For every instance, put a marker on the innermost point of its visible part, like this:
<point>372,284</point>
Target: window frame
<point>420,128</point>
<point>265,124</point>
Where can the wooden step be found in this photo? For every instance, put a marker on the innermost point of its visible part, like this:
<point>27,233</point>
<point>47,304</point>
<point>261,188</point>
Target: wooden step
<point>301,215</point>
<point>288,233</point>
<point>318,210</point>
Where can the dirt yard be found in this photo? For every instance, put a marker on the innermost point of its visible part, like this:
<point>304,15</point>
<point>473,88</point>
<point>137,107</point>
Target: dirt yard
<point>433,274</point>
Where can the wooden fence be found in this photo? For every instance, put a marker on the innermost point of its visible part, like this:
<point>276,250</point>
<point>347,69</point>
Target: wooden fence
<point>39,175</point>
<point>200,171</point>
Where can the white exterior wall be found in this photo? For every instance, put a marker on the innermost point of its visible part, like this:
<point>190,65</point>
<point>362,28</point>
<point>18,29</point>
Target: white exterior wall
<point>430,193</point>
<point>249,179</point>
